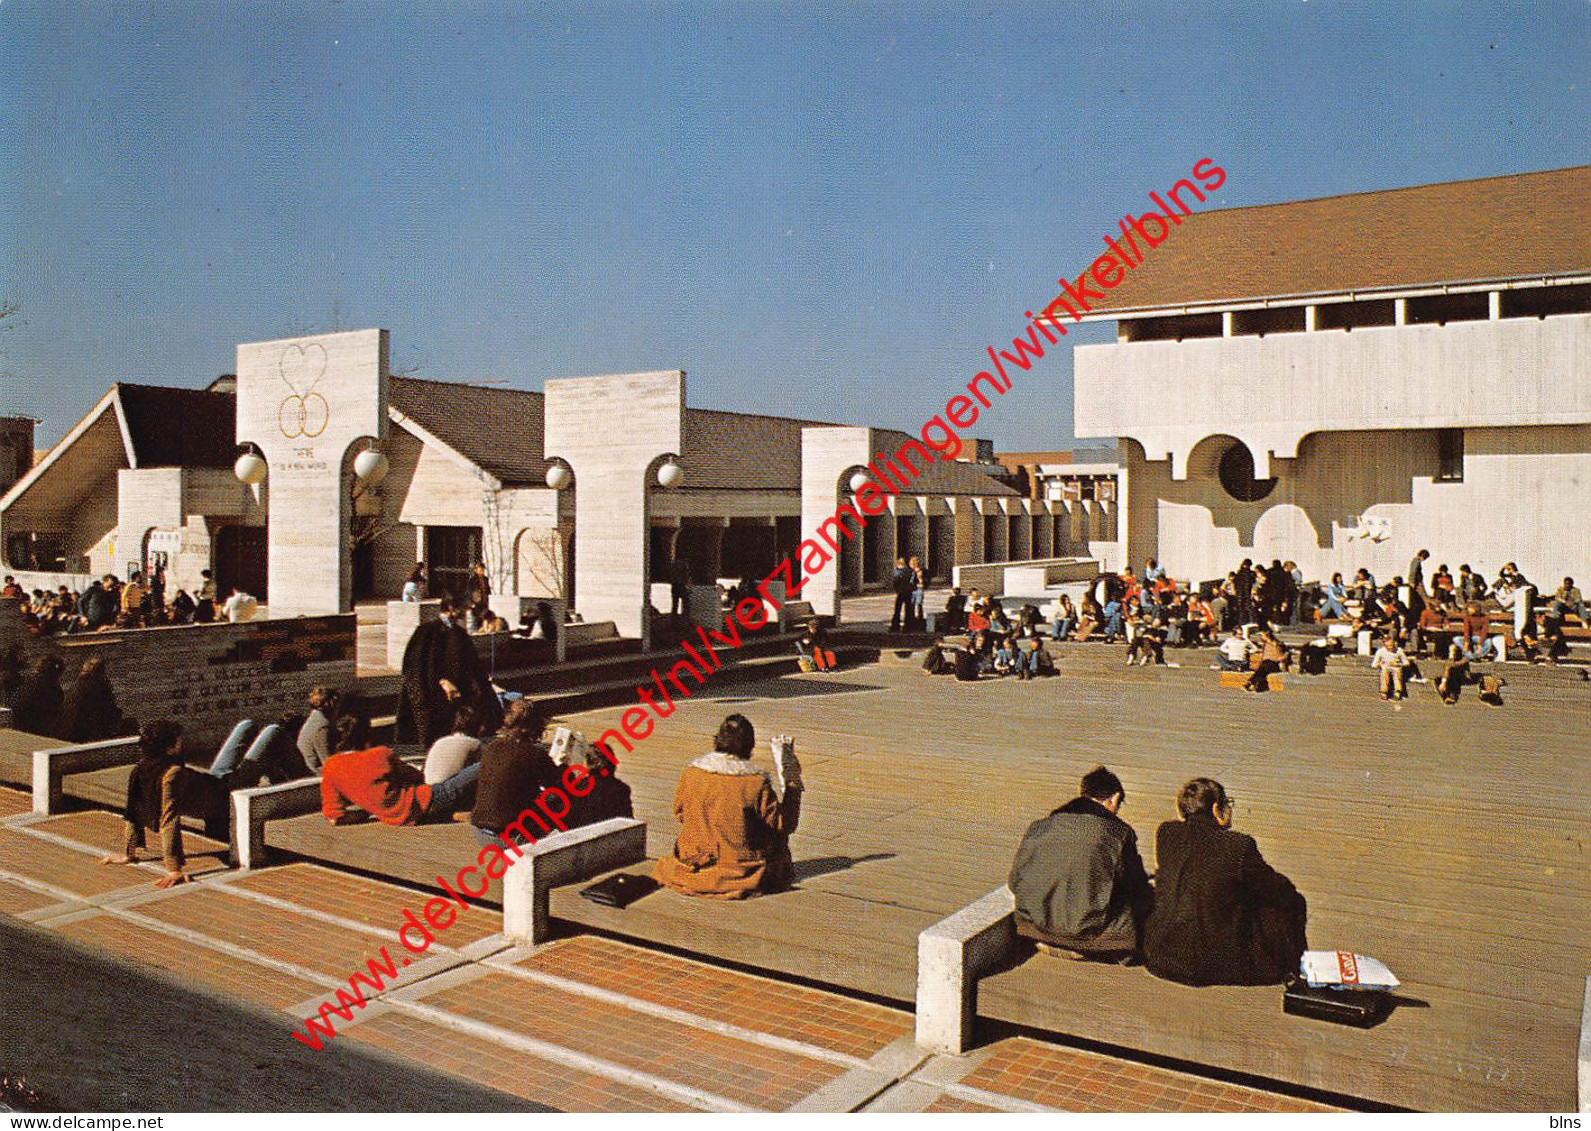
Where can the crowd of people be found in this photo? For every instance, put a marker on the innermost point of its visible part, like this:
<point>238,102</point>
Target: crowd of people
<point>109,604</point>
<point>1450,618</point>
<point>1215,913</point>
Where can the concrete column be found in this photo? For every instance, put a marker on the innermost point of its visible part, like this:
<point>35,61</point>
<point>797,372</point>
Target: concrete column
<point>1226,323</point>
<point>1043,530</point>
<point>306,402</point>
<point>968,533</point>
<point>614,471</point>
<point>1494,305</point>
<point>1400,311</point>
<point>827,457</point>
<point>1311,313</point>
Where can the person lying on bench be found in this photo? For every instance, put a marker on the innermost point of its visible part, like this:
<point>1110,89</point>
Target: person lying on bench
<point>1222,915</point>
<point>734,840</point>
<point>1078,880</point>
<point>362,781</point>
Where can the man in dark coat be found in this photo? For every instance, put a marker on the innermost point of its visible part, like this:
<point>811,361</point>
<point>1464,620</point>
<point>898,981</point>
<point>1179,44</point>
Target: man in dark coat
<point>1078,880</point>
<point>903,582</point>
<point>441,670</point>
<point>1222,916</point>
<point>37,706</point>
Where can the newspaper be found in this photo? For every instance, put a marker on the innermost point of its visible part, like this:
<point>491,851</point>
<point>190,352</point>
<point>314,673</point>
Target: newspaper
<point>569,748</point>
<point>786,770</point>
<point>1344,970</point>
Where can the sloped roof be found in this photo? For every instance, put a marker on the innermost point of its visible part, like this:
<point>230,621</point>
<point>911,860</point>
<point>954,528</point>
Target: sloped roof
<point>1527,225</point>
<point>959,478</point>
<point>499,430</point>
<point>179,427</point>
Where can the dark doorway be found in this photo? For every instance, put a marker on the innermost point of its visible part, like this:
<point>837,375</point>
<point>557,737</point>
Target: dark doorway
<point>449,553</point>
<point>240,559</point>
<point>364,571</point>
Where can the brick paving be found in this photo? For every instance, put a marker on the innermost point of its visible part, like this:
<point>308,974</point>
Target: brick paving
<point>233,976</point>
<point>955,1104</point>
<point>66,868</point>
<point>105,832</point>
<point>1072,1080</point>
<point>309,943</point>
<point>365,901</point>
<point>509,1070</point>
<point>738,1070</point>
<point>813,1017</point>
<point>13,803</point>
<point>17,900</point>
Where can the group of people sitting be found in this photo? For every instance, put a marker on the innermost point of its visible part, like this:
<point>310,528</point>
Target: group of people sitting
<point>496,775</point>
<point>109,604</point>
<point>1215,913</point>
<point>995,645</point>
<point>85,711</point>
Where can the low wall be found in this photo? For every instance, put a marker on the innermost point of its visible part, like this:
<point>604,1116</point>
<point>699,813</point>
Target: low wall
<point>1024,578</point>
<point>207,676</point>
<point>34,579</point>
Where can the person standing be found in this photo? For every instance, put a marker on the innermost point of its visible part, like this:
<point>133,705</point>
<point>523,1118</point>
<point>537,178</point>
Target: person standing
<point>917,620</point>
<point>903,583</point>
<point>414,584</point>
<point>1243,583</point>
<point>441,670</point>
<point>679,580</point>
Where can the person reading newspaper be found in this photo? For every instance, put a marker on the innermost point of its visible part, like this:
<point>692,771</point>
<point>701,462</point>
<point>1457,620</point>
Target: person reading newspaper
<point>735,818</point>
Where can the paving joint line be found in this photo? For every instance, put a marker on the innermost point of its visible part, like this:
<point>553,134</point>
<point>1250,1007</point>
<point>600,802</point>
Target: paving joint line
<point>680,1016</point>
<point>231,884</point>
<point>570,1058</point>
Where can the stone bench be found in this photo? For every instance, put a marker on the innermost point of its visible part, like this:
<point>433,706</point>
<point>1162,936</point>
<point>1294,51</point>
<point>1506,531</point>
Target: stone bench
<point>565,858</point>
<point>251,808</point>
<point>952,956</point>
<point>51,765</point>
<point>973,965</point>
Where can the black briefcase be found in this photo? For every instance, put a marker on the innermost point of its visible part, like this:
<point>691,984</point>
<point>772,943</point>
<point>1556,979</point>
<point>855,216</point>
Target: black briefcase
<point>621,890</point>
<point>1360,1008</point>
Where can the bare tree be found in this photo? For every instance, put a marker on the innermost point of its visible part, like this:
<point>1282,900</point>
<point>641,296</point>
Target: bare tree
<point>543,553</point>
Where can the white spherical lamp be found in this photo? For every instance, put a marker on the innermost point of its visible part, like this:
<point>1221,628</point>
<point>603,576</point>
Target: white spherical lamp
<point>250,469</point>
<point>670,474</point>
<point>858,481</point>
<point>558,476</point>
<point>370,466</point>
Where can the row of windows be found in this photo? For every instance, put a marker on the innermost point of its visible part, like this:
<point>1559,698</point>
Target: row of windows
<point>1474,306</point>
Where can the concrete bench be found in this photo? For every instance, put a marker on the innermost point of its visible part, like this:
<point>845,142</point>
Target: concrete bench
<point>251,808</point>
<point>50,766</point>
<point>951,956</point>
<point>565,858</point>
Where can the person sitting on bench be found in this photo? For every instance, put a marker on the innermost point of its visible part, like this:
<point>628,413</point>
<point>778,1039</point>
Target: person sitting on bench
<point>515,769</point>
<point>814,646</point>
<point>1222,915</point>
<point>734,840</point>
<point>1392,662</point>
<point>362,781</point>
<point>1454,676</point>
<point>1274,659</point>
<point>1078,880</point>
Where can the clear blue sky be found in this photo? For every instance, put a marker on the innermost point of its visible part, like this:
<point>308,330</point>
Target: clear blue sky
<point>824,210</point>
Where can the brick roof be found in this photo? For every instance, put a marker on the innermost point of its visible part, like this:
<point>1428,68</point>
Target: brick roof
<point>1526,225</point>
<point>499,430</point>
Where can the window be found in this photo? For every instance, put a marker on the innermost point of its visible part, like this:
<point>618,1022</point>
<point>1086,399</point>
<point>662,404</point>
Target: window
<point>1450,455</point>
<point>1236,473</point>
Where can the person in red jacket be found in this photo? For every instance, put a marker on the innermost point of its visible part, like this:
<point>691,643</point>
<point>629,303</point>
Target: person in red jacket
<point>362,781</point>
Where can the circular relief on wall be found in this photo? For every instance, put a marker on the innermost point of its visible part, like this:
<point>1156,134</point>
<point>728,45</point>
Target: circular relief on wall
<point>1236,473</point>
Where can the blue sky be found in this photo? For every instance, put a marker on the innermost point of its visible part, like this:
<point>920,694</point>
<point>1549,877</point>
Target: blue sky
<point>825,210</point>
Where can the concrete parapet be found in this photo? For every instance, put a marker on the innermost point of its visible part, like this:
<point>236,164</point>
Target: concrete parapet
<point>50,766</point>
<point>951,956</point>
<point>565,858</point>
<point>251,808</point>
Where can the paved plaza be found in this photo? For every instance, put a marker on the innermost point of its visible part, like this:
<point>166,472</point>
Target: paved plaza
<point>1448,842</point>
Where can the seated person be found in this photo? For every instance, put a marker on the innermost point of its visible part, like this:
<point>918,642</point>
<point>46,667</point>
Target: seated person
<point>514,769</point>
<point>315,735</point>
<point>734,839</point>
<point>939,659</point>
<point>1065,618</point>
<point>1274,657</point>
<point>1029,657</point>
<point>361,781</point>
<point>1222,915</point>
<point>955,618</point>
<point>1233,654</point>
<point>452,752</point>
<point>1078,880</point>
<point>605,798</point>
<point>1454,676</point>
<point>814,646</point>
<point>1392,662</point>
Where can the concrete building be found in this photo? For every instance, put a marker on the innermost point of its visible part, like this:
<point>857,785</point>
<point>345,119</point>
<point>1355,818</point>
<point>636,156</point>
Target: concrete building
<point>314,478</point>
<point>1345,381</point>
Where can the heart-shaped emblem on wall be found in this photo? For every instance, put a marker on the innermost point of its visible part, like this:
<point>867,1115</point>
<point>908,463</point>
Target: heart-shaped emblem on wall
<point>302,367</point>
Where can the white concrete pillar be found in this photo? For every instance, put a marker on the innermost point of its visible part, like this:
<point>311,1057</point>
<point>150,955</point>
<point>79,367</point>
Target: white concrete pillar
<point>1226,323</point>
<point>1494,305</point>
<point>1400,311</point>
<point>613,431</point>
<point>1311,316</point>
<point>306,402</point>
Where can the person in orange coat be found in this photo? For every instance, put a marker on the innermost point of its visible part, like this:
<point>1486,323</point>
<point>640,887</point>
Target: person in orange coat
<point>734,840</point>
